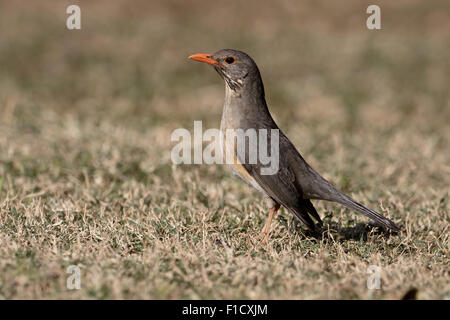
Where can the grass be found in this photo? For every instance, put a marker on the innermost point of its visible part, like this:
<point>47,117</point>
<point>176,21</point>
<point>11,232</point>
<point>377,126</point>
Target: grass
<point>86,177</point>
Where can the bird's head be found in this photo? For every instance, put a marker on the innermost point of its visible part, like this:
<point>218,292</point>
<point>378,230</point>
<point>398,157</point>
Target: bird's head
<point>236,67</point>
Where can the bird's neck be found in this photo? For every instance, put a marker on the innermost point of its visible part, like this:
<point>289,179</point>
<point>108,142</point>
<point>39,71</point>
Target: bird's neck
<point>242,103</point>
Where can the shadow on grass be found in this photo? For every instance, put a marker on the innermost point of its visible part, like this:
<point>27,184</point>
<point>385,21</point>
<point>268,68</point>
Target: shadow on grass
<point>359,232</point>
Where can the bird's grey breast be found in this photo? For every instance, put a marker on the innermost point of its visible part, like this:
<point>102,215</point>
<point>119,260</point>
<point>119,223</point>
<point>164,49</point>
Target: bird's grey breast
<point>232,120</point>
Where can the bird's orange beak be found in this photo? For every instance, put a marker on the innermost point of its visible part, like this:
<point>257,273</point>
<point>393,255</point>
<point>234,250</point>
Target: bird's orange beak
<point>203,57</point>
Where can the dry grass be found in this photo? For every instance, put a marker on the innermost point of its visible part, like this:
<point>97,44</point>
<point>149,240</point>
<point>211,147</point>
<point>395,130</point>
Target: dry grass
<point>85,171</point>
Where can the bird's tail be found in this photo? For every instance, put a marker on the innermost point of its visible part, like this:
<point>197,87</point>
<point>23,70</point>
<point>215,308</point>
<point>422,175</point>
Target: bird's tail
<point>324,190</point>
<point>375,216</point>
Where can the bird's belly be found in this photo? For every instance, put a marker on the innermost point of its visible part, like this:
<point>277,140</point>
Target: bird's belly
<point>236,166</point>
<point>239,170</point>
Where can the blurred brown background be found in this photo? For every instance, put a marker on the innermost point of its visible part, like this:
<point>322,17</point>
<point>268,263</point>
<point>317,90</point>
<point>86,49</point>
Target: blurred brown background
<point>130,57</point>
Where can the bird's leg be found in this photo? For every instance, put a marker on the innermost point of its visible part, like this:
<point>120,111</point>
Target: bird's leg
<point>264,234</point>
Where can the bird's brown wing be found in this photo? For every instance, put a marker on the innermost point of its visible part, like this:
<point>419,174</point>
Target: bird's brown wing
<point>314,186</point>
<point>284,189</point>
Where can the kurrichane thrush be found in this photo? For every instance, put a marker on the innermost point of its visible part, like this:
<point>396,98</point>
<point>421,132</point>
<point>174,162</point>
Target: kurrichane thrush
<point>295,183</point>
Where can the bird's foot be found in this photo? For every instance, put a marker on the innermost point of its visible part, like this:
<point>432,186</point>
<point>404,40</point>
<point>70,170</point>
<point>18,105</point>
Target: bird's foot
<point>263,236</point>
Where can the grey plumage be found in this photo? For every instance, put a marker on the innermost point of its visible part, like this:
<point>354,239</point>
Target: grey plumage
<point>295,183</point>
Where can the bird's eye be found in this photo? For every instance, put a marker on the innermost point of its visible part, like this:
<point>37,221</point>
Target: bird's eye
<point>229,60</point>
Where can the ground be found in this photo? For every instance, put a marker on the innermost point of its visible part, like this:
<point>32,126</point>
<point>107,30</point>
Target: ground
<point>86,177</point>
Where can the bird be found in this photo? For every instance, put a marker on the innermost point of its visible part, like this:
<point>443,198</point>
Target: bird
<point>295,183</point>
